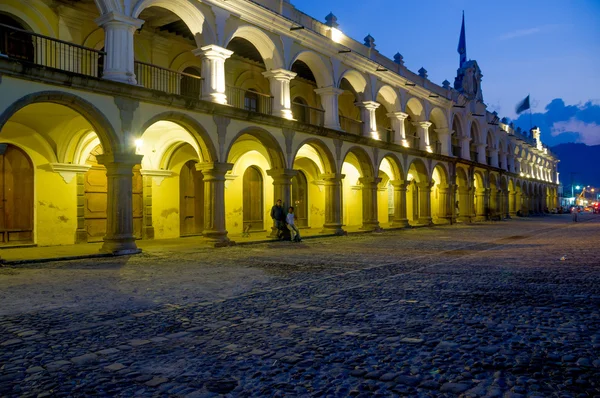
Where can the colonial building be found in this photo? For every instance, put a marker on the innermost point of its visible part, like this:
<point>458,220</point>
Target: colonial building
<point>152,119</point>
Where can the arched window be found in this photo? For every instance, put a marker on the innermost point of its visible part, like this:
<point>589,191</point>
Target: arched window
<point>251,100</point>
<point>190,86</point>
<point>13,41</point>
<point>253,199</point>
<point>16,195</point>
<point>299,105</point>
<point>300,199</point>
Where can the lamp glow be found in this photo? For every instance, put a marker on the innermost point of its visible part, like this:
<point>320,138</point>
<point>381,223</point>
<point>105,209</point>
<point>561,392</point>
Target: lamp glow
<point>336,35</point>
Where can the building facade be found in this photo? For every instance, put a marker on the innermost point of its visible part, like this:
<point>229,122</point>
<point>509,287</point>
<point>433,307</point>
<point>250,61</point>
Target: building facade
<point>153,119</point>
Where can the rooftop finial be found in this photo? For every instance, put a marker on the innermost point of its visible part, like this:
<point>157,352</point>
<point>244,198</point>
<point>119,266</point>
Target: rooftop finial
<point>370,41</point>
<point>462,43</point>
<point>331,20</point>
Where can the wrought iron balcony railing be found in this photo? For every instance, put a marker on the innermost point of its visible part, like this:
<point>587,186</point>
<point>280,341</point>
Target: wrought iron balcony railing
<point>307,114</point>
<point>168,80</point>
<point>48,52</point>
<point>350,125</point>
<point>249,100</point>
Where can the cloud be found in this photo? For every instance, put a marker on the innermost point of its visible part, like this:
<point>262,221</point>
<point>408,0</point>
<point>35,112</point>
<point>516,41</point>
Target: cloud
<point>561,123</point>
<point>520,33</point>
<point>589,133</point>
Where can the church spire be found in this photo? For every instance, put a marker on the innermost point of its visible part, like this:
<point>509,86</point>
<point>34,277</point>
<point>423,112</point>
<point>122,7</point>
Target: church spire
<point>462,43</point>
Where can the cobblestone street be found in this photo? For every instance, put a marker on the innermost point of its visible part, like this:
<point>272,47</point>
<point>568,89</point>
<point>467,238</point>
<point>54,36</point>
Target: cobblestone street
<point>502,309</point>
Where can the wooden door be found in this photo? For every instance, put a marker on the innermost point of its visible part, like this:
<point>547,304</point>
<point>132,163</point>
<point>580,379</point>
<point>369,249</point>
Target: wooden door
<point>191,200</point>
<point>96,195</point>
<point>253,199</point>
<point>300,199</point>
<point>16,196</point>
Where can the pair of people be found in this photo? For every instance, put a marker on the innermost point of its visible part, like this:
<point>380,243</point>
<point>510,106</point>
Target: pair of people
<point>283,220</point>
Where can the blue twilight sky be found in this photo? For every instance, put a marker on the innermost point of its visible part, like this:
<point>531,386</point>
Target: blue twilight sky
<point>547,48</point>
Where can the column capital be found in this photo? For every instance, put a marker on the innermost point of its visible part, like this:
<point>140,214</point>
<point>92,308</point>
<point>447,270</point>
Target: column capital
<point>213,51</point>
<point>330,90</point>
<point>481,145</point>
<point>370,105</point>
<point>369,180</point>
<point>214,170</point>
<point>398,184</point>
<point>280,74</point>
<point>119,159</point>
<point>397,115</point>
<point>332,177</point>
<point>443,131</point>
<point>425,185</point>
<point>282,175</point>
<point>117,18</point>
<point>464,138</point>
<point>424,125</point>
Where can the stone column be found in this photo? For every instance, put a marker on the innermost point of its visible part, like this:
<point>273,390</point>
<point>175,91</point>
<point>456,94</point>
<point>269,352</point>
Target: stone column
<point>213,72</point>
<point>444,214</point>
<point>465,150</point>
<point>333,204</point>
<point>481,203</point>
<point>280,89</point>
<point>397,119</point>
<point>119,237</point>
<point>214,202</point>
<point>282,189</point>
<point>118,43</point>
<point>367,115</point>
<point>329,101</point>
<point>465,204</point>
<point>424,202</point>
<point>494,157</point>
<point>369,203</point>
<point>481,158</point>
<point>423,133</point>
<point>445,140</point>
<point>400,220</point>
<point>512,199</point>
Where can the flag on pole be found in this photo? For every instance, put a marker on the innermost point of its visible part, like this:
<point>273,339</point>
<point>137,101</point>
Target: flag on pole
<point>523,106</point>
<point>462,43</point>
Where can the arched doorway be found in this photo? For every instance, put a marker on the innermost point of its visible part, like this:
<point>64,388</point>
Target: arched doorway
<point>300,199</point>
<point>253,199</point>
<point>96,197</point>
<point>16,195</point>
<point>191,197</point>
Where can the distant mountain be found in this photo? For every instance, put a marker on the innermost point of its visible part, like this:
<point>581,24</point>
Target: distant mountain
<point>581,160</point>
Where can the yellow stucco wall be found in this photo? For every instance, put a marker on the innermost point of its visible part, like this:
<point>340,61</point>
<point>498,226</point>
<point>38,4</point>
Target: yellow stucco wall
<point>352,197</point>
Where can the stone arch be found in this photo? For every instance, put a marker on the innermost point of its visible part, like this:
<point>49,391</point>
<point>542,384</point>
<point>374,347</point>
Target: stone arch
<point>35,21</point>
<point>322,150</point>
<point>202,141</point>
<point>274,152</point>
<point>267,48</point>
<point>389,98</point>
<point>108,137</point>
<point>457,125</point>
<point>191,15</point>
<point>474,132</point>
<point>441,195</point>
<point>442,171</point>
<point>365,168</point>
<point>438,117</point>
<point>358,83</point>
<point>322,70</point>
<point>415,108</point>
<point>396,166</point>
<point>421,172</point>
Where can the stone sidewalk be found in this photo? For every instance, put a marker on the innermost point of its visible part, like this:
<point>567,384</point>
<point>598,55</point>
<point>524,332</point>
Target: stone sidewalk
<point>494,309</point>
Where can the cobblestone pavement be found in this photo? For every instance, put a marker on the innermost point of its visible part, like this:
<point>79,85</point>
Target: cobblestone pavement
<point>505,309</point>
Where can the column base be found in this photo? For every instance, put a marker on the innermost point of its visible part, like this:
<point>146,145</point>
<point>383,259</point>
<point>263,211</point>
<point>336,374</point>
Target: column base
<point>120,246</point>
<point>371,226</point>
<point>286,114</point>
<point>219,98</point>
<point>405,143</point>
<point>425,221</point>
<point>442,220</point>
<point>217,238</point>
<point>401,223</point>
<point>121,77</point>
<point>333,230</point>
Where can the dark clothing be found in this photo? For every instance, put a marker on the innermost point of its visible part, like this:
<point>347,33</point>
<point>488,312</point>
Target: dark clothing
<point>277,213</point>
